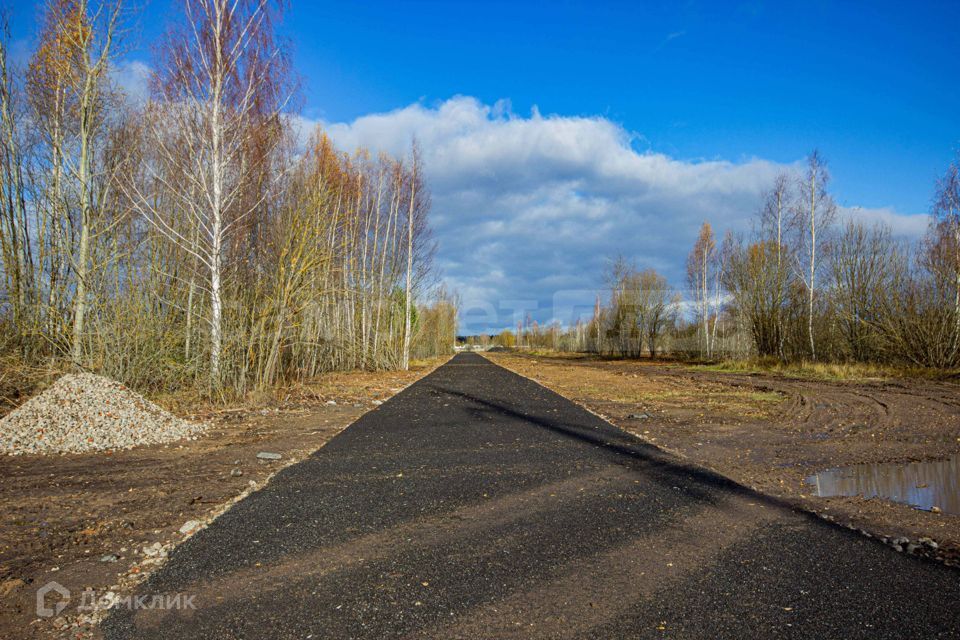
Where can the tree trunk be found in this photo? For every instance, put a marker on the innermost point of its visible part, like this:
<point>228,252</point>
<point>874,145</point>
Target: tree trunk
<point>216,222</point>
<point>813,262</point>
<point>781,334</point>
<point>82,260</point>
<point>956,301</point>
<point>409,288</point>
<point>704,305</point>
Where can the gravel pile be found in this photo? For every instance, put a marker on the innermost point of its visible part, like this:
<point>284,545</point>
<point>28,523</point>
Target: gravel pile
<point>86,412</point>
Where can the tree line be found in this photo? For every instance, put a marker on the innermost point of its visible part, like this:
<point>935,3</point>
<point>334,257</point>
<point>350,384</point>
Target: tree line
<point>194,237</point>
<point>805,284</point>
<point>641,315</point>
<point>808,285</point>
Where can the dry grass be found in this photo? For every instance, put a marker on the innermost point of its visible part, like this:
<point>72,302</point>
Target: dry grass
<point>805,370</point>
<point>20,381</point>
<point>340,386</point>
<point>827,370</point>
<point>637,383</point>
<point>549,353</point>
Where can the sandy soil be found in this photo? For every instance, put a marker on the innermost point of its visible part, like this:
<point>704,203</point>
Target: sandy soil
<point>62,514</point>
<point>770,432</point>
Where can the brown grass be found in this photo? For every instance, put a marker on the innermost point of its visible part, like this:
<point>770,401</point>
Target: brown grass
<point>20,381</point>
<point>827,370</point>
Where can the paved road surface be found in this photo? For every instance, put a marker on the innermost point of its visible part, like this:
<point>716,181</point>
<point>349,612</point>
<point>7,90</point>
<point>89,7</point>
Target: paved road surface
<point>477,504</point>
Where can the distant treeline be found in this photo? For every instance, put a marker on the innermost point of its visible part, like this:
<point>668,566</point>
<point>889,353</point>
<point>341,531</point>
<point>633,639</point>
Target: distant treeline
<point>804,285</point>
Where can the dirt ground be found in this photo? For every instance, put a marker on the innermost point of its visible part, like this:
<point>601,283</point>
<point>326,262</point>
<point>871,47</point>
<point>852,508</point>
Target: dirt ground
<point>770,432</point>
<point>92,521</point>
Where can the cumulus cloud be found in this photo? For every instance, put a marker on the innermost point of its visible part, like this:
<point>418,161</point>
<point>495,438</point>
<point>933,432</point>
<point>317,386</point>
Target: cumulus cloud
<point>527,209</point>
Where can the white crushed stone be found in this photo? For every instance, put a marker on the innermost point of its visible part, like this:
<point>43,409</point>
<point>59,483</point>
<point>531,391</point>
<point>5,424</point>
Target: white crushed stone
<point>86,412</point>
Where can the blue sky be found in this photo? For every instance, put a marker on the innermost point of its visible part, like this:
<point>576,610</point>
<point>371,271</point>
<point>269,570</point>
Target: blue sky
<point>872,83</point>
<point>716,95</point>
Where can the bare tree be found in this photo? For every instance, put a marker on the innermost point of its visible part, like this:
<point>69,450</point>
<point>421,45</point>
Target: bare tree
<point>775,209</point>
<point>946,209</point>
<point>814,214</point>
<point>622,320</point>
<point>862,269</point>
<point>408,292</point>
<point>657,305</point>
<point>220,88</point>
<point>700,269</point>
<point>774,218</point>
<point>721,260</point>
<point>193,238</point>
<point>14,232</point>
<point>93,47</point>
<point>70,94</point>
<point>753,279</point>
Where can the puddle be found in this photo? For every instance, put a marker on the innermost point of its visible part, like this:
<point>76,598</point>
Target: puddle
<point>934,483</point>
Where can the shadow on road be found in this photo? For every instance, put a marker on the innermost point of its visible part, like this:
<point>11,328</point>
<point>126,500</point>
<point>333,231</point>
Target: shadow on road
<point>657,464</point>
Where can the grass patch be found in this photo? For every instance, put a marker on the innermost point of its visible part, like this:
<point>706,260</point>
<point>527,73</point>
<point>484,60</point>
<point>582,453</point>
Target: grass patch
<point>550,353</point>
<point>765,396</point>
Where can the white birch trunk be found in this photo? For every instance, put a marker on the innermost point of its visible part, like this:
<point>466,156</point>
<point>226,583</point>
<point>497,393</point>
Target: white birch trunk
<point>409,289</point>
<point>813,261</point>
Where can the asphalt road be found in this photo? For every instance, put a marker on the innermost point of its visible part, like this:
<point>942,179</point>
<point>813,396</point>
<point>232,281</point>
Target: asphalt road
<point>478,504</point>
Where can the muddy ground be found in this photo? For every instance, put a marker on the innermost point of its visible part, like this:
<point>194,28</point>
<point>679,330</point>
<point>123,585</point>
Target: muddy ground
<point>63,517</point>
<point>771,432</point>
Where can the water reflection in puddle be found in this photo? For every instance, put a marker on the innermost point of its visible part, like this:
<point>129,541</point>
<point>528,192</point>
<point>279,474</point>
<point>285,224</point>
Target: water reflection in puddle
<point>934,483</point>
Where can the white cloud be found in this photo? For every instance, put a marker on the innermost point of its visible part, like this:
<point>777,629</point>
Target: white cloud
<point>901,226</point>
<point>528,208</point>
<point>133,78</point>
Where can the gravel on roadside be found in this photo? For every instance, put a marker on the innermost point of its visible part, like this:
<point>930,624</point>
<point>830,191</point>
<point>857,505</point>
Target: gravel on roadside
<point>86,412</point>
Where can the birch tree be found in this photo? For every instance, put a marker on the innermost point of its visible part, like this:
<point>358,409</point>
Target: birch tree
<point>222,80</point>
<point>774,218</point>
<point>70,90</point>
<point>699,271</point>
<point>814,214</point>
<point>721,260</point>
<point>946,210</point>
<point>52,109</point>
<point>93,46</point>
<point>408,292</point>
<point>14,233</point>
